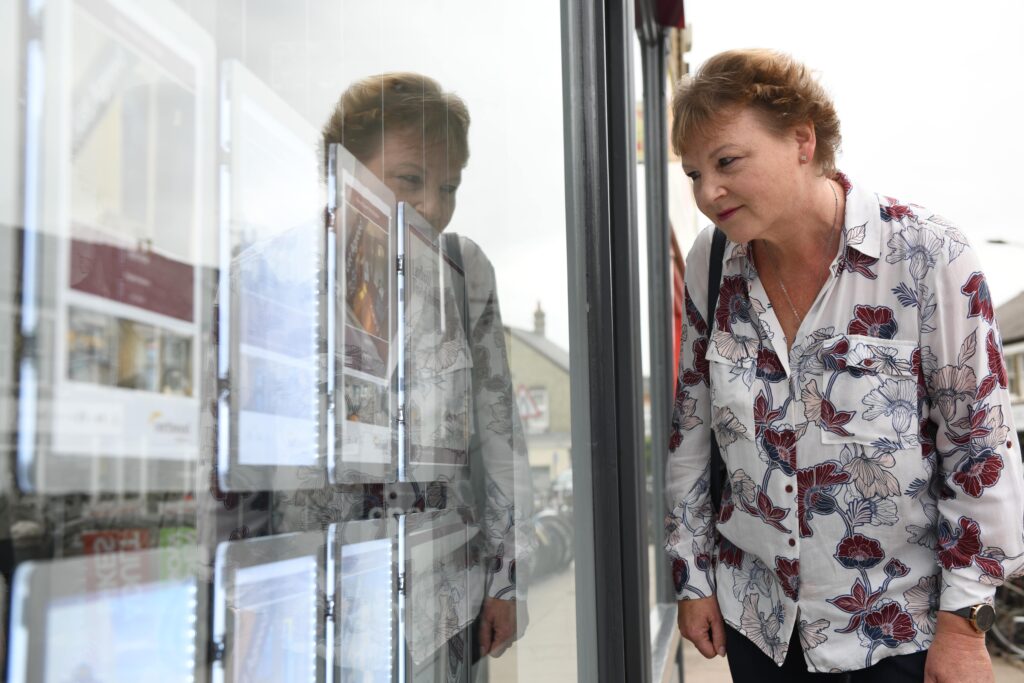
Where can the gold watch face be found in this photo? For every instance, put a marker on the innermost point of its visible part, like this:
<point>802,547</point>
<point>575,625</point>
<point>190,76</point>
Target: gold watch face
<point>984,616</point>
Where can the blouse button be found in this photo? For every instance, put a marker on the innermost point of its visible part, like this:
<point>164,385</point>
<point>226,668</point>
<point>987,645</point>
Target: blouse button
<point>792,542</point>
<point>1009,444</point>
<point>789,488</point>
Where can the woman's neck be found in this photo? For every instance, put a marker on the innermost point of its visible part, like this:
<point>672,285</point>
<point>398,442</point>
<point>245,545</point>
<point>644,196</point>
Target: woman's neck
<point>808,236</point>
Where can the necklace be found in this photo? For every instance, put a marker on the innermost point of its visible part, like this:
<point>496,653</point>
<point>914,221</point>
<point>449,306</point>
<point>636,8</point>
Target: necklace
<point>831,246</point>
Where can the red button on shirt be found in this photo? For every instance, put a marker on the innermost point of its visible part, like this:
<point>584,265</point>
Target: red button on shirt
<point>792,541</point>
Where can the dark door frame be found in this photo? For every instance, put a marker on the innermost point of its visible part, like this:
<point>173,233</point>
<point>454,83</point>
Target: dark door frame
<point>613,615</point>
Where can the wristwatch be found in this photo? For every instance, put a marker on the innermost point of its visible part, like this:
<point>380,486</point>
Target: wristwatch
<point>981,616</point>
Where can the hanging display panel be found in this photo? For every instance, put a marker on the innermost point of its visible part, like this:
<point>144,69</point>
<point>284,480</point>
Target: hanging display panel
<point>436,358</point>
<point>141,611</point>
<point>271,313</point>
<point>118,133</point>
<point>364,364</point>
<point>268,620</point>
<point>363,561</point>
<point>438,606</point>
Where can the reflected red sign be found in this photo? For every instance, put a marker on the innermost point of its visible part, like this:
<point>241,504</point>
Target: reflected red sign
<point>138,278</point>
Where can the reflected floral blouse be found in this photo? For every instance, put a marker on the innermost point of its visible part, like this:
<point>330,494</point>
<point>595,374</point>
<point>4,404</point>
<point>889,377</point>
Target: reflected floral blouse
<point>873,474</point>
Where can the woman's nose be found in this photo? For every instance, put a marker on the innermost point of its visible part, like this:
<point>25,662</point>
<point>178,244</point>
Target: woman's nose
<point>433,207</point>
<point>710,193</point>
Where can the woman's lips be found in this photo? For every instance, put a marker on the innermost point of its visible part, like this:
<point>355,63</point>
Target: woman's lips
<point>728,212</point>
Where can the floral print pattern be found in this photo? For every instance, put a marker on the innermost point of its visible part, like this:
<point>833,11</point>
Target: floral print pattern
<point>873,476</point>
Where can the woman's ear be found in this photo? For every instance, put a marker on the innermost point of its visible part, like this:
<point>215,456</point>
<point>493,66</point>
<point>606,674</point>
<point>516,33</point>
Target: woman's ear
<point>806,142</point>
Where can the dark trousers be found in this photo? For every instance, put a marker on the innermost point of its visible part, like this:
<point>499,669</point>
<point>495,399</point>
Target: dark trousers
<point>748,663</point>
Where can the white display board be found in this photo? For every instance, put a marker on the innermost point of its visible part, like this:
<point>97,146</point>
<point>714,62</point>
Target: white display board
<point>436,391</point>
<point>362,559</point>
<point>272,317</point>
<point>362,370</point>
<point>437,601</point>
<point>119,617</point>
<point>268,602</point>
<point>118,225</point>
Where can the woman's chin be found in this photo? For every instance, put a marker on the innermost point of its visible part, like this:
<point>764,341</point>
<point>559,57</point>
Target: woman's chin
<point>736,234</point>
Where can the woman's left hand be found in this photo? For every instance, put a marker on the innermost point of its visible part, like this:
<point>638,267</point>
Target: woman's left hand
<point>497,626</point>
<point>957,654</point>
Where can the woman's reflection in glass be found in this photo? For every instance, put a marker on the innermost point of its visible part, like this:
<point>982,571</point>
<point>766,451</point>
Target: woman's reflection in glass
<point>414,136</point>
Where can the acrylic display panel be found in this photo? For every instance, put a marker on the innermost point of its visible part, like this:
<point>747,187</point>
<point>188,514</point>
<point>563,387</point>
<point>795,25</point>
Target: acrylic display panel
<point>362,557</point>
<point>10,219</point>
<point>362,369</point>
<point>116,232</point>
<point>438,605</point>
<point>269,617</point>
<point>436,392</point>
<point>10,119</point>
<point>117,617</point>
<point>273,265</point>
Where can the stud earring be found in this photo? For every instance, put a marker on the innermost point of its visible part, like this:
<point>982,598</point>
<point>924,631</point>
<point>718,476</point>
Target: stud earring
<point>803,158</point>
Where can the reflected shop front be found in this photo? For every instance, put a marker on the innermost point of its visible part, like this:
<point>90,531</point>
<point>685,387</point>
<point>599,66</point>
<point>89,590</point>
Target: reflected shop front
<point>307,313</point>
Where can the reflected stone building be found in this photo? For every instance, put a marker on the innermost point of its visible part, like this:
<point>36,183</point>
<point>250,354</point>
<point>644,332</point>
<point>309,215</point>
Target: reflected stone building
<point>540,375</point>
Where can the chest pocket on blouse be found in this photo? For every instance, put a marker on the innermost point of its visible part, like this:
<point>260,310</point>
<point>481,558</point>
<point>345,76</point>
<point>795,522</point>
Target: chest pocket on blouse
<point>732,400</point>
<point>870,392</point>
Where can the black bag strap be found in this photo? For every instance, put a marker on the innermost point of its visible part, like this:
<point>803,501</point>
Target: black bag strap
<point>452,248</point>
<point>714,283</point>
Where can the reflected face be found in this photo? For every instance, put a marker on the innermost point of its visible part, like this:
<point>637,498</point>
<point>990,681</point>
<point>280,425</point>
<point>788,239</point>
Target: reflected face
<point>746,177</point>
<point>420,175</point>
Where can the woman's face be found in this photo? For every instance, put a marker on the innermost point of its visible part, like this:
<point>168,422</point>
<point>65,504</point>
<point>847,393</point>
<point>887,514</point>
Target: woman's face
<point>420,175</point>
<point>746,177</point>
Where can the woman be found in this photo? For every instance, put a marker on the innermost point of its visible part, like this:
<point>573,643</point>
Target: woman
<point>852,376</point>
<point>414,136</point>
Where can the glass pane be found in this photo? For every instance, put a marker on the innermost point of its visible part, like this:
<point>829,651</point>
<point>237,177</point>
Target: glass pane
<point>285,342</point>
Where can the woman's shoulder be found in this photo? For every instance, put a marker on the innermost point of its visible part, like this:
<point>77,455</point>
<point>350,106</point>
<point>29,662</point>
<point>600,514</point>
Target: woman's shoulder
<point>476,266</point>
<point>700,251</point>
<point>924,241</point>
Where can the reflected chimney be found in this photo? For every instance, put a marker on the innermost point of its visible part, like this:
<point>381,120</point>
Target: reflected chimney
<point>538,321</point>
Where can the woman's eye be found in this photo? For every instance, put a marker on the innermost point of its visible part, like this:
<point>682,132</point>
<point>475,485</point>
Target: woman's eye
<point>411,180</point>
<point>449,189</point>
<point>693,175</point>
<point>725,161</point>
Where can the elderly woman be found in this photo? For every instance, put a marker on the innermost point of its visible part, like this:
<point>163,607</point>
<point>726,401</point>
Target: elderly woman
<point>850,372</point>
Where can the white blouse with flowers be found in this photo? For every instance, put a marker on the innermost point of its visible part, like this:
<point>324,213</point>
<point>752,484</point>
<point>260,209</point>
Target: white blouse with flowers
<point>873,473</point>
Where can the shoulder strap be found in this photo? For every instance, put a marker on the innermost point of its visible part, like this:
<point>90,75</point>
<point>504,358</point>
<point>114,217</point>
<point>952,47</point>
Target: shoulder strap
<point>453,249</point>
<point>714,283</point>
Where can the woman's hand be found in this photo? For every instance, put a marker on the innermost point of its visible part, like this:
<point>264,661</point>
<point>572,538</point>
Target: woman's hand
<point>700,622</point>
<point>497,626</point>
<point>957,654</point>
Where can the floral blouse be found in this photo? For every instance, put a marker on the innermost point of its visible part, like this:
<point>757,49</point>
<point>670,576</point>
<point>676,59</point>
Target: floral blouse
<point>873,474</point>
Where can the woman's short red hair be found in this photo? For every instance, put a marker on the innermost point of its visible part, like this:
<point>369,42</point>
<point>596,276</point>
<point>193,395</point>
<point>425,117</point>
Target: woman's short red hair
<point>781,89</point>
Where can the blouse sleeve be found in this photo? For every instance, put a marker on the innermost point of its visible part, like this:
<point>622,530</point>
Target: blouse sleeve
<point>508,491</point>
<point>689,525</point>
<point>967,431</point>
